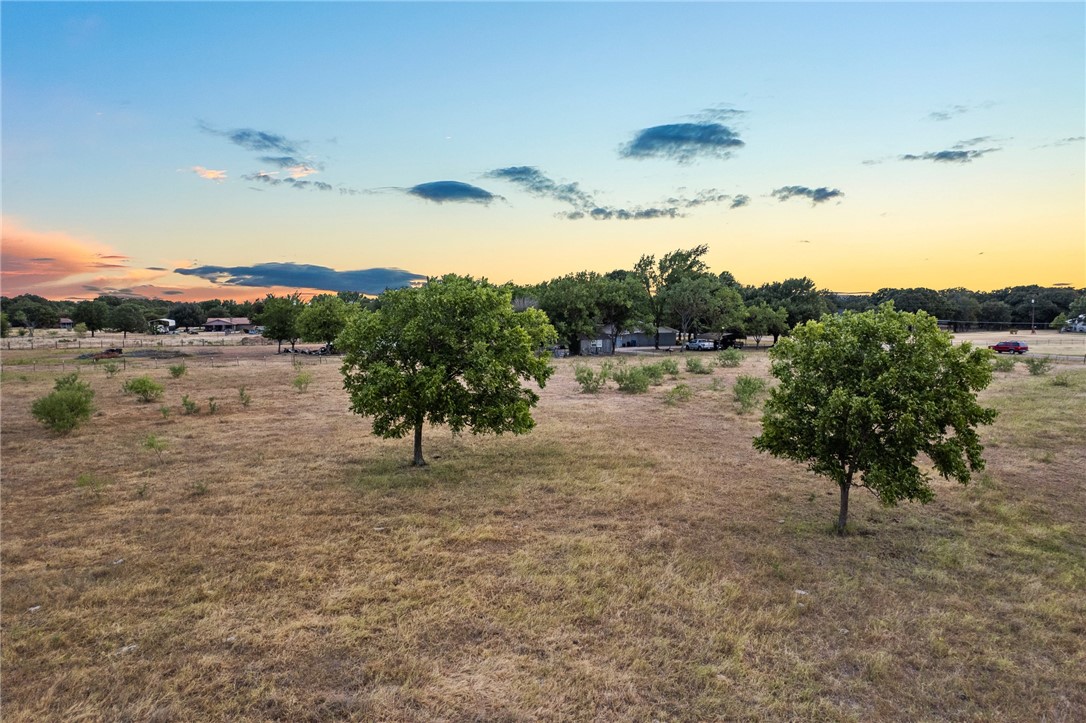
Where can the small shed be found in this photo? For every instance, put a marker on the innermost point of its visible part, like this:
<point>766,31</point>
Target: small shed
<point>233,323</point>
<point>66,323</point>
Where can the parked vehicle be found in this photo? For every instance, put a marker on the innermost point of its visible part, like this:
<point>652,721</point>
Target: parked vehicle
<point>1010,347</point>
<point>700,345</point>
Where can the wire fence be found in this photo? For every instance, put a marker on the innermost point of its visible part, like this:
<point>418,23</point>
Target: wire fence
<point>109,366</point>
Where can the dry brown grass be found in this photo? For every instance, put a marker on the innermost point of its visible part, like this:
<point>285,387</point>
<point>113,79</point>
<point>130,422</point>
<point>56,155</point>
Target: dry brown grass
<point>628,560</point>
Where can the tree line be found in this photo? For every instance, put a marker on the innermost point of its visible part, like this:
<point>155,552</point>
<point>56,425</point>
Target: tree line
<point>676,290</point>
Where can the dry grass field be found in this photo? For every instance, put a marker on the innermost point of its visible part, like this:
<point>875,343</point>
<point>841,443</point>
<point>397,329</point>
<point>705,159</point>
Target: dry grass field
<point>627,560</point>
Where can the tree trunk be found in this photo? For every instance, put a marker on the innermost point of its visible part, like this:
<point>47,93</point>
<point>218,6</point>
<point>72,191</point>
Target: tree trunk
<point>418,461</point>
<point>842,516</point>
<point>279,350</point>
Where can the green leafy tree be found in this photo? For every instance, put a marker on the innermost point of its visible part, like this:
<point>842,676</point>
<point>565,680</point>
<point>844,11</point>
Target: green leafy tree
<point>861,395</point>
<point>1058,322</point>
<point>280,318</point>
<point>95,314</point>
<point>1077,307</point>
<point>187,315</point>
<point>800,297</point>
<point>322,319</point>
<point>451,352</point>
<point>128,317</point>
<point>571,303</point>
<point>619,304</point>
<point>692,300</point>
<point>762,320</point>
<point>5,326</point>
<point>657,277</point>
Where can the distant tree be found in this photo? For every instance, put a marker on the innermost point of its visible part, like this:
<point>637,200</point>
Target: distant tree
<point>619,304</point>
<point>1058,322</point>
<point>322,319</point>
<point>110,300</point>
<point>861,395</point>
<point>571,303</point>
<point>128,317</point>
<point>993,311</point>
<point>218,312</point>
<point>187,315</point>
<point>657,277</point>
<point>799,297</point>
<point>5,326</point>
<point>1078,306</point>
<point>95,314</point>
<point>280,318</point>
<point>451,352</point>
<point>762,320</point>
<point>351,297</point>
<point>33,312</point>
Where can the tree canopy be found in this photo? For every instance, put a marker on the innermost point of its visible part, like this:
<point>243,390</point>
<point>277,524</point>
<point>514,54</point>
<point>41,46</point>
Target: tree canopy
<point>95,314</point>
<point>128,317</point>
<point>322,319</point>
<point>861,395</point>
<point>280,318</point>
<point>451,352</point>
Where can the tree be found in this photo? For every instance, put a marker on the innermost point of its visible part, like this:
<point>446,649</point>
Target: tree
<point>762,320</point>
<point>658,277</point>
<point>800,297</point>
<point>128,317</point>
<point>862,394</point>
<point>571,304</point>
<point>322,319</point>
<point>618,303</point>
<point>1058,322</point>
<point>280,318</point>
<point>95,314</point>
<point>187,315</point>
<point>451,352</point>
<point>5,326</point>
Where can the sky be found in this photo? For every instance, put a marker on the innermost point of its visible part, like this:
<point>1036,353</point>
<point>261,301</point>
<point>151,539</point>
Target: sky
<point>190,151</point>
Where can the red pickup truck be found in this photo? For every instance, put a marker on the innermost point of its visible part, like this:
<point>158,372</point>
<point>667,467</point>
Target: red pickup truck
<point>1013,347</point>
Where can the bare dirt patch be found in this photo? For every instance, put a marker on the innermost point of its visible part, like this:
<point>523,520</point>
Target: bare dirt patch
<point>629,559</point>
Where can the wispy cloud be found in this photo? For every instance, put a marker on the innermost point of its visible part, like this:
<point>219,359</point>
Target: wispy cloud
<point>815,195</point>
<point>451,191</point>
<point>255,140</point>
<point>585,205</point>
<point>209,174</point>
<point>949,156</point>
<point>291,275</point>
<point>683,142</point>
<point>953,111</point>
<point>296,167</point>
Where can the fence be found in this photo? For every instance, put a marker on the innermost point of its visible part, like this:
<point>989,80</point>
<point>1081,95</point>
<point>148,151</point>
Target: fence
<point>211,360</point>
<point>26,343</point>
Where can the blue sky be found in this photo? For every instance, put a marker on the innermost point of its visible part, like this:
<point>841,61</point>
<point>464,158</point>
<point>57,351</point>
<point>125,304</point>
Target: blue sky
<point>863,145</point>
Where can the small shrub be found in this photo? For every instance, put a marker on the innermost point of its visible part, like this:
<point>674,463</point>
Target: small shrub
<point>1003,364</point>
<point>146,389</point>
<point>64,410</point>
<point>178,370</point>
<point>244,397</point>
<point>155,444</point>
<point>670,366</point>
<point>591,381</point>
<point>747,389</point>
<point>92,484</point>
<point>198,489</point>
<point>164,410</point>
<point>212,405</point>
<point>1038,366</point>
<point>111,368</point>
<point>1061,380</point>
<point>189,406</point>
<point>729,358</point>
<point>655,373</point>
<point>717,386</point>
<point>70,382</point>
<point>296,362</point>
<point>80,330</point>
<point>680,393</point>
<point>633,380</point>
<point>302,380</point>
<point>697,366</point>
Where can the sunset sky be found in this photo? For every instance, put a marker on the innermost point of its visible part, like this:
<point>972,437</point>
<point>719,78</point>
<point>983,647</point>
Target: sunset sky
<point>200,150</point>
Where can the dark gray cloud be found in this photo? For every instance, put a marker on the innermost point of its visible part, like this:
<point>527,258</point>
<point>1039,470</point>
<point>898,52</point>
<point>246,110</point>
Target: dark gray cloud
<point>253,140</point>
<point>172,293</point>
<point>44,259</point>
<point>455,191</point>
<point>585,205</point>
<point>157,268</point>
<point>816,195</point>
<point>683,142</point>
<point>949,156</point>
<point>305,276</point>
<point>739,201</point>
